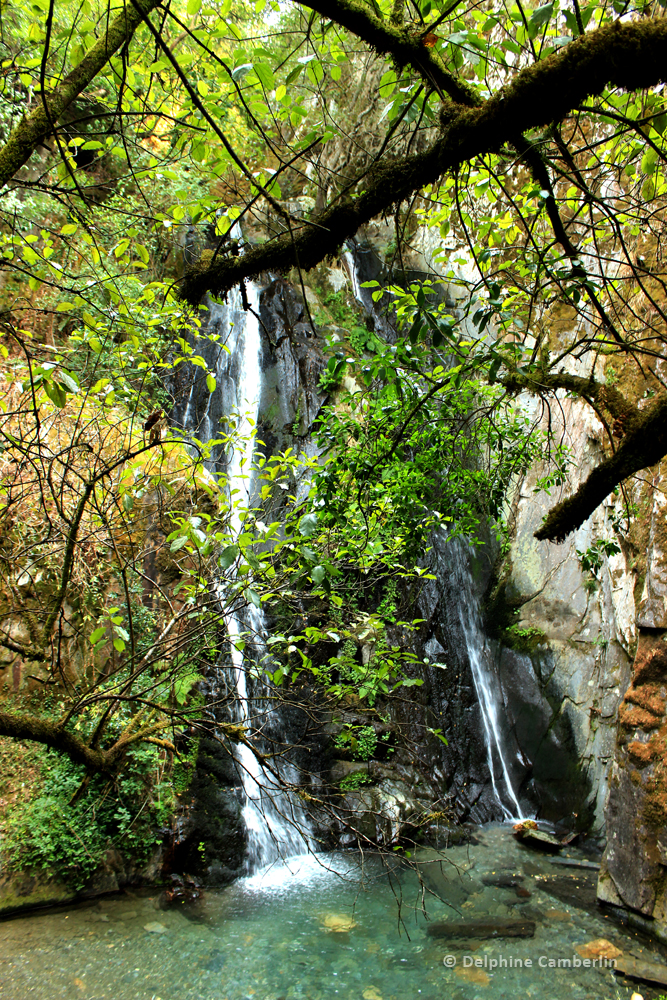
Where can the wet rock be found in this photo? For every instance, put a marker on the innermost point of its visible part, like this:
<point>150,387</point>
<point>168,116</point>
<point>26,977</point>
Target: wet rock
<point>445,882</point>
<point>648,972</point>
<point>503,881</point>
<point>185,890</point>
<point>210,814</point>
<point>557,915</point>
<point>633,865</point>
<point>476,976</point>
<point>216,961</point>
<point>541,840</point>
<point>495,928</point>
<point>576,863</point>
<point>600,948</point>
<point>153,927</point>
<point>338,923</point>
<point>575,890</point>
<point>23,891</point>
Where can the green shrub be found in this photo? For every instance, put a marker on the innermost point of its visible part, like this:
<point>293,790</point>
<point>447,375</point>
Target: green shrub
<point>71,822</point>
<point>351,782</point>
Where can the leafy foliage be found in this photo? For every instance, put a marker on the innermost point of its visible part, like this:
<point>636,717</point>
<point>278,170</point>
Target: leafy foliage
<point>354,781</point>
<point>59,833</point>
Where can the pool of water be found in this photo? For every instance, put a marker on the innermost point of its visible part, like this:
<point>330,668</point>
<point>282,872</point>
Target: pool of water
<point>334,926</point>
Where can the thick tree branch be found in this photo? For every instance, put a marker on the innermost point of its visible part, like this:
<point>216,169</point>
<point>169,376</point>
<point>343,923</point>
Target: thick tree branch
<point>627,56</point>
<point>603,396</point>
<point>645,445</point>
<point>34,129</point>
<point>52,734</point>
<point>404,45</point>
<point>25,651</point>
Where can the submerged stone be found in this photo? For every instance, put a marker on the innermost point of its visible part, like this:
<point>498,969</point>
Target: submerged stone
<point>600,948</point>
<point>487,928</point>
<point>649,972</point>
<point>338,923</point>
<point>503,881</point>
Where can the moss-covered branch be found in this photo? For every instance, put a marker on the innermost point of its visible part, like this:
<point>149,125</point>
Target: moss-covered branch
<point>627,56</point>
<point>34,129</point>
<point>55,734</point>
<point>642,447</point>
<point>27,652</point>
<point>405,45</point>
<point>52,734</point>
<point>602,396</point>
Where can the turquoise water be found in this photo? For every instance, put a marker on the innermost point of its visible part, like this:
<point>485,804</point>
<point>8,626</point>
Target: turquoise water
<point>330,926</point>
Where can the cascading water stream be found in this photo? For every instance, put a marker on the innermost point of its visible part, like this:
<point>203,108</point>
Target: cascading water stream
<point>276,824</point>
<point>477,645</point>
<point>479,657</point>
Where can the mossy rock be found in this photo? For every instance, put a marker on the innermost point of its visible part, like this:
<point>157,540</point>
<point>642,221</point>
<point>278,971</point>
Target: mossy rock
<point>22,891</point>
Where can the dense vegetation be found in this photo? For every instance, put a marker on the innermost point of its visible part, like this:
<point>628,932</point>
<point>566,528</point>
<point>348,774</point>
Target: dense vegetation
<point>510,155</point>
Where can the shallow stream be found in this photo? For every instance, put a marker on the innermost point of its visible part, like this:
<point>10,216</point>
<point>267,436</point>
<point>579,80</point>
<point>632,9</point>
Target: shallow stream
<point>329,926</point>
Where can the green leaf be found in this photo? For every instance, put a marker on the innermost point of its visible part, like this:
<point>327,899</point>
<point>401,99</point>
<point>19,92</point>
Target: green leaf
<point>56,393</point>
<point>210,382</point>
<point>293,74</point>
<point>178,543</point>
<point>318,574</point>
<point>649,160</point>
<point>118,645</point>
<point>253,597</point>
<point>540,16</point>
<point>228,556</point>
<point>265,75</point>
<point>184,684</point>
<point>97,635</point>
<point>69,381</point>
<point>308,525</point>
<point>194,6</point>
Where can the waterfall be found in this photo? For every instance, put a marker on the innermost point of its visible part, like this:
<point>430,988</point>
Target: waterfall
<point>356,258</point>
<point>487,685</point>
<point>462,593</point>
<point>275,821</point>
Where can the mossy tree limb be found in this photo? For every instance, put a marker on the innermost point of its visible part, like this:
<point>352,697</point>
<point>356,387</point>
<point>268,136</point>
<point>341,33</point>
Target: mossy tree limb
<point>35,127</point>
<point>406,46</point>
<point>51,733</point>
<point>627,56</point>
<point>55,734</point>
<point>599,394</point>
<point>643,447</point>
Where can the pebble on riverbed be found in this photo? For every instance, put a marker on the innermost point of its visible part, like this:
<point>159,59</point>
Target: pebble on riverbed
<point>154,928</point>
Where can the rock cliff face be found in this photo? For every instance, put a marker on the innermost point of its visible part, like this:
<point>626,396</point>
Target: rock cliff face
<point>566,635</point>
<point>634,869</point>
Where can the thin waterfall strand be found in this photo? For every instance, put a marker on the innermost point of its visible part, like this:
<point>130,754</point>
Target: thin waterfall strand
<point>479,657</point>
